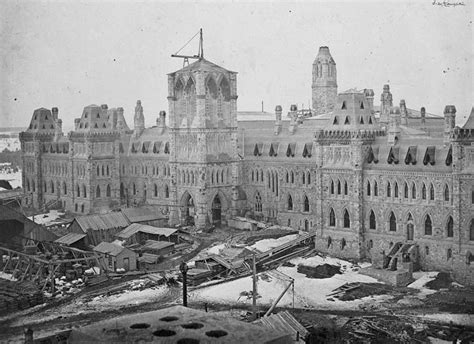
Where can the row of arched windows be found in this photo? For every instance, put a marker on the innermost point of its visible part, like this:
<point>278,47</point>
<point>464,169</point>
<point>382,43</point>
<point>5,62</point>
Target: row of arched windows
<point>134,190</point>
<point>220,176</point>
<point>104,169</point>
<point>290,205</point>
<point>346,219</point>
<point>338,187</point>
<point>54,169</point>
<point>155,170</point>
<point>79,189</point>
<point>409,191</point>
<point>99,193</point>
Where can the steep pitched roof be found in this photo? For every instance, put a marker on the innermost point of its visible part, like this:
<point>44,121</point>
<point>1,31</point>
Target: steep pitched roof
<point>109,248</point>
<point>470,121</point>
<point>103,221</point>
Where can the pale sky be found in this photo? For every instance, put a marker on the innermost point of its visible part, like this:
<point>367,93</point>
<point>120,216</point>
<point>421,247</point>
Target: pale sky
<point>71,55</point>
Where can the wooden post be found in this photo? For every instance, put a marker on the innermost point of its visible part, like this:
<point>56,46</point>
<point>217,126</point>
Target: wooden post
<point>254,289</point>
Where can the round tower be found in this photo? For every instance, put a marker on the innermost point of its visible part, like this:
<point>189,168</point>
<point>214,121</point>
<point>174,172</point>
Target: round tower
<point>324,86</point>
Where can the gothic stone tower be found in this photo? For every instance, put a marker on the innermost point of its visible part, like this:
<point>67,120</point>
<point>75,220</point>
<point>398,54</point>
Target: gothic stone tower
<point>203,130</point>
<point>324,87</point>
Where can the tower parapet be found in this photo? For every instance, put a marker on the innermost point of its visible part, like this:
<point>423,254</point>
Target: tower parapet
<point>324,86</point>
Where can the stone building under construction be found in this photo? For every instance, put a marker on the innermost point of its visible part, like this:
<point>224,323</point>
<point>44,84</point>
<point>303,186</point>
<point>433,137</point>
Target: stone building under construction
<point>363,177</point>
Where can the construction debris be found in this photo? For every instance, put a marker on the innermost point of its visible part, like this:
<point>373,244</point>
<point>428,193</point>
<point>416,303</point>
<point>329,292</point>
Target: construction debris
<point>320,271</point>
<point>18,295</point>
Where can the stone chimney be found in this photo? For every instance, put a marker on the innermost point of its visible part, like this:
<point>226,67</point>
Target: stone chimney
<point>278,111</point>
<point>369,95</point>
<point>386,103</point>
<point>449,121</point>
<point>294,119</point>
<point>139,119</point>
<point>404,113</point>
<point>394,126</point>
<point>161,121</point>
<point>55,113</point>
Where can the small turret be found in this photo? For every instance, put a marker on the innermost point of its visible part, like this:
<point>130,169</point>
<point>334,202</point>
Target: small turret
<point>394,126</point>
<point>278,111</point>
<point>369,94</point>
<point>324,86</point>
<point>449,121</point>
<point>55,112</point>
<point>403,112</point>
<point>161,121</point>
<point>139,119</point>
<point>386,104</point>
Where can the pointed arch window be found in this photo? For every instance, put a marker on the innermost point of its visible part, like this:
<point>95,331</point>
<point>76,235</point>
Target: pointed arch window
<point>450,227</point>
<point>332,218</point>
<point>392,222</point>
<point>413,191</point>
<point>52,187</point>
<point>423,191</point>
<point>372,222</point>
<point>303,178</point>
<point>292,177</point>
<point>258,202</point>
<point>343,107</point>
<point>432,193</point>
<point>308,178</point>
<point>347,219</point>
<point>338,187</point>
<point>428,226</point>
<point>84,191</point>
<point>306,204</point>
<point>108,191</point>
<point>347,121</point>
<point>446,193</point>
<point>396,190</point>
<point>155,190</point>
<point>376,189</point>
<point>332,187</point>
<point>122,190</point>
<point>97,191</point>
<point>389,190</point>
<point>78,192</point>
<point>253,175</point>
<point>346,188</point>
<point>134,189</point>
<point>290,203</point>
<point>167,191</point>
<point>368,188</point>
<point>98,170</point>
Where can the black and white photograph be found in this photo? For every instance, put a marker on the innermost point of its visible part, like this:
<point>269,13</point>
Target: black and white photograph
<point>237,172</point>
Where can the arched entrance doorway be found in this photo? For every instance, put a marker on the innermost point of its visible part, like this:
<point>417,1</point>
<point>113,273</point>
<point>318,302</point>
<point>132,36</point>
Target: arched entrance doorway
<point>187,209</point>
<point>410,228</point>
<point>216,211</point>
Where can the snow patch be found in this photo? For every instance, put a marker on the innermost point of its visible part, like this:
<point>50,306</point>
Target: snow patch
<point>48,218</point>
<point>268,244</point>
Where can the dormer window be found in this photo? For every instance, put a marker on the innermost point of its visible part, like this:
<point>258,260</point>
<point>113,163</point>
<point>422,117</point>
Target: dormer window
<point>85,116</point>
<point>343,105</point>
<point>370,120</point>
<point>104,125</point>
<point>86,125</point>
<point>46,117</point>
<point>335,122</point>
<point>362,105</point>
<point>98,115</point>
<point>96,126</point>
<point>347,120</point>
<point>361,120</point>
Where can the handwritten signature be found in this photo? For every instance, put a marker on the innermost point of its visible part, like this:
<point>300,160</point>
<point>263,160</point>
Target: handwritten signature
<point>448,3</point>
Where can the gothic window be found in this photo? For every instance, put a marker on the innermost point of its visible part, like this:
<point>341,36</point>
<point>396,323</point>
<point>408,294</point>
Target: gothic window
<point>347,219</point>
<point>471,230</point>
<point>370,120</point>
<point>361,119</point>
<point>332,187</point>
<point>413,191</point>
<point>306,204</point>
<point>108,172</point>
<point>332,218</point>
<point>52,187</point>
<point>292,177</point>
<point>134,188</point>
<point>446,193</point>
<point>432,193</point>
<point>27,185</point>
<point>362,105</point>
<point>155,187</point>
<point>368,188</point>
<point>144,191</point>
<point>372,222</point>
<point>98,170</point>
<point>338,187</point>
<point>449,253</point>
<point>428,226</point>
<point>449,228</point>
<point>75,207</point>
<point>303,178</point>
<point>389,189</point>
<point>82,208</point>
<point>64,188</point>
<point>122,190</point>
<point>78,193</point>
<point>108,191</point>
<point>287,177</point>
<point>346,189</point>
<point>335,122</point>
<point>255,172</point>
<point>423,191</point>
<point>376,189</point>
<point>290,202</point>
<point>222,176</point>
<point>396,190</point>
<point>472,196</point>
<point>347,121</point>
<point>167,192</point>
<point>392,222</point>
<point>258,202</point>
<point>84,191</point>
<point>343,107</point>
<point>261,176</point>
<point>308,178</point>
<point>97,191</point>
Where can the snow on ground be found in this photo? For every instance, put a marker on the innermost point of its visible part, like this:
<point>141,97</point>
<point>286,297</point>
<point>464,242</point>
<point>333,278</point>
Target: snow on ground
<point>48,218</point>
<point>457,319</point>
<point>423,277</point>
<point>7,276</point>
<point>308,292</point>
<point>129,297</point>
<point>268,244</point>
<point>10,143</point>
<point>14,178</point>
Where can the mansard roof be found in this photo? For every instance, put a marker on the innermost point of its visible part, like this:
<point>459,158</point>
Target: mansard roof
<point>43,120</point>
<point>101,118</point>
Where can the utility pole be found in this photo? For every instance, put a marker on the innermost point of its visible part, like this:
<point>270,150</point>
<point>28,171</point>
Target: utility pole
<point>184,270</point>
<point>254,290</point>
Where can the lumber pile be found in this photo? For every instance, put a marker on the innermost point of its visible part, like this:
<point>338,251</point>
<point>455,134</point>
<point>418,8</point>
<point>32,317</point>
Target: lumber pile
<point>18,295</point>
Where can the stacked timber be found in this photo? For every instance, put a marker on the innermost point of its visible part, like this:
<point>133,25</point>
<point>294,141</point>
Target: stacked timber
<point>18,295</point>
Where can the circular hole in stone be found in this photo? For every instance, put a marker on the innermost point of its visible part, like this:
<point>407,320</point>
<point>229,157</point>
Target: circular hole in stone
<point>164,333</point>
<point>216,333</point>
<point>140,325</point>
<point>169,318</point>
<point>188,341</point>
<point>192,326</point>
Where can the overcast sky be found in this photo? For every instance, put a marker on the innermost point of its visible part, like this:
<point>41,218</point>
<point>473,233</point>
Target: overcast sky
<point>96,52</point>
